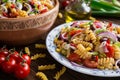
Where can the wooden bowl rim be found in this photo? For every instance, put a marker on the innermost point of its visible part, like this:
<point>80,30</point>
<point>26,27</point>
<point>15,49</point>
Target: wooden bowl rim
<point>39,15</point>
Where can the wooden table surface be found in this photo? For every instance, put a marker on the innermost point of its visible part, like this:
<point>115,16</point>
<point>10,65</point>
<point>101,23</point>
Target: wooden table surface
<point>68,75</point>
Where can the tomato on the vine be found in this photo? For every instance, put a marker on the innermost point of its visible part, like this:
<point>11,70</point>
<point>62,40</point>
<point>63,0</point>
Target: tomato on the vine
<point>15,55</point>
<point>24,58</point>
<point>27,58</point>
<point>4,51</point>
<point>2,59</point>
<point>8,65</point>
<point>22,70</point>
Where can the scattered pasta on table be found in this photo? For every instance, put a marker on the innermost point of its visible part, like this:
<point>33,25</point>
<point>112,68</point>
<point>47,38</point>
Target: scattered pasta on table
<point>41,75</point>
<point>46,67</point>
<point>40,46</point>
<point>36,56</point>
<point>60,73</point>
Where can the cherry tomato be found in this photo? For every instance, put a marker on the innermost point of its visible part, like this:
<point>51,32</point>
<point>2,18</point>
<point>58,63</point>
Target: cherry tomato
<point>2,59</point>
<point>4,51</point>
<point>8,65</point>
<point>22,70</point>
<point>14,55</point>
<point>74,57</point>
<point>25,58</point>
<point>65,3</point>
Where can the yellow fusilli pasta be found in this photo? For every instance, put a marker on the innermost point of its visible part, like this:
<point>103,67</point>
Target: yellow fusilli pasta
<point>85,44</point>
<point>41,75</point>
<point>90,36</point>
<point>106,63</point>
<point>40,46</point>
<point>60,73</point>
<point>82,52</point>
<point>27,50</point>
<point>117,52</point>
<point>46,67</point>
<point>36,56</point>
<point>47,4</point>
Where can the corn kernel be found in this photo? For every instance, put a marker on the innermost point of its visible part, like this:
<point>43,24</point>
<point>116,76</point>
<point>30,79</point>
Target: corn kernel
<point>88,48</point>
<point>58,50</point>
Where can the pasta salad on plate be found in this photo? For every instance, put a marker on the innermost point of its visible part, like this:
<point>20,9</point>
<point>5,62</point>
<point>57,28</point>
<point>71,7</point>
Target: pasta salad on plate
<point>90,45</point>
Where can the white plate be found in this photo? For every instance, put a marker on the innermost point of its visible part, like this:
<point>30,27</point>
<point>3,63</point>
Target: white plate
<point>79,68</point>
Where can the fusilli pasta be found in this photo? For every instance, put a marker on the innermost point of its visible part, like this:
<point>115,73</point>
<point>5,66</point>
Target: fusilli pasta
<point>117,52</point>
<point>41,75</point>
<point>36,56</point>
<point>60,73</point>
<point>82,52</point>
<point>40,46</point>
<point>46,67</point>
<point>27,50</point>
<point>106,63</point>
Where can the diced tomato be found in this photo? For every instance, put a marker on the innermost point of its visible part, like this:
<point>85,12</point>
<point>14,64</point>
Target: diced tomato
<point>74,57</point>
<point>97,24</point>
<point>108,41</point>
<point>32,2</point>
<point>96,58</point>
<point>5,14</point>
<point>111,51</point>
<point>72,44</point>
<point>73,32</point>
<point>13,6</point>
<point>109,24</point>
<point>44,10</point>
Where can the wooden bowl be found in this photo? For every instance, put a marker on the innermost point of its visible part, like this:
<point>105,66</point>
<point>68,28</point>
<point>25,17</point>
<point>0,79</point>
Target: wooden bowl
<point>22,31</point>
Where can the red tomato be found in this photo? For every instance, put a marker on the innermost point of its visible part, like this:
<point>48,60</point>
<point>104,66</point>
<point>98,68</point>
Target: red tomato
<point>8,65</point>
<point>14,55</point>
<point>111,51</point>
<point>5,14</point>
<point>26,58</point>
<point>74,57</point>
<point>2,59</point>
<point>73,32</point>
<point>22,70</point>
<point>4,51</point>
<point>44,10</point>
<point>65,3</point>
<point>89,63</point>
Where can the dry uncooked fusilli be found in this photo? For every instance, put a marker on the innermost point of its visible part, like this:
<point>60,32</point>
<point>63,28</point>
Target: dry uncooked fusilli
<point>59,73</point>
<point>36,56</point>
<point>40,46</point>
<point>27,50</point>
<point>41,75</point>
<point>46,67</point>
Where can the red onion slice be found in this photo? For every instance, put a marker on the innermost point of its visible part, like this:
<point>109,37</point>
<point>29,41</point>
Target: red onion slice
<point>110,35</point>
